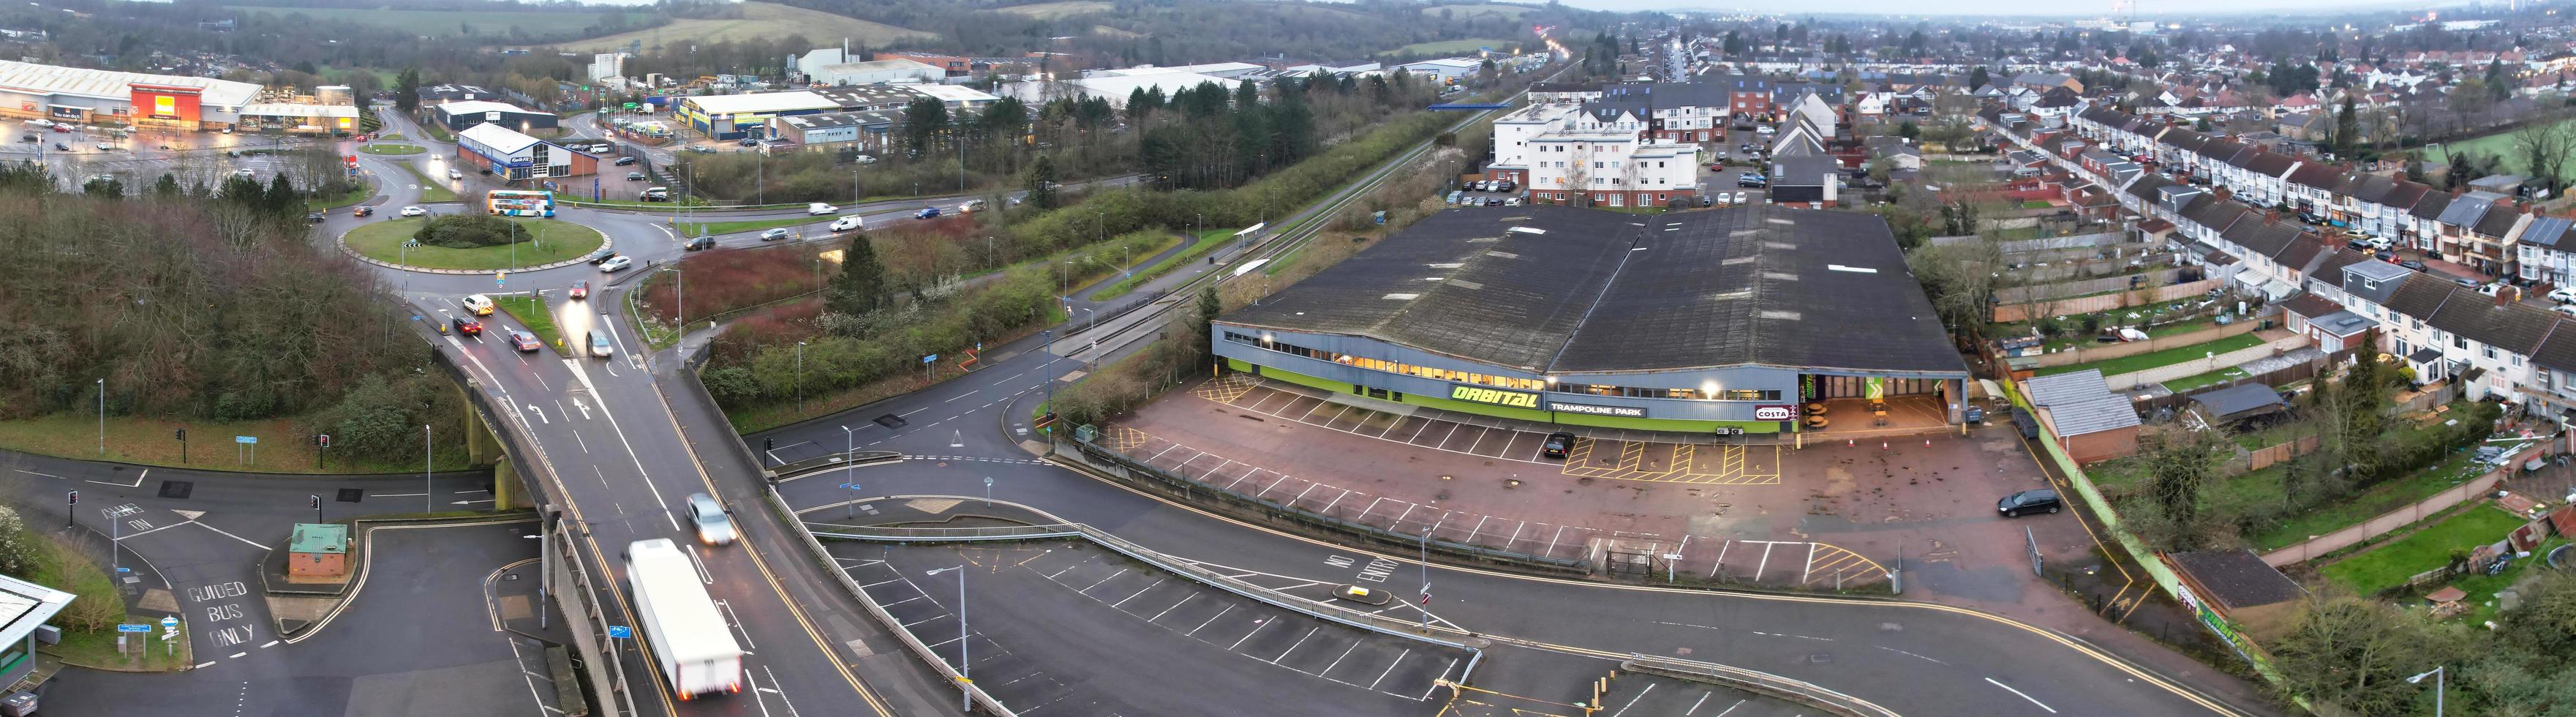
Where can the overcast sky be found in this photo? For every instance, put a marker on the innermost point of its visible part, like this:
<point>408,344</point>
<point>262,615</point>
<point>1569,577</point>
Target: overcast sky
<point>2167,10</point>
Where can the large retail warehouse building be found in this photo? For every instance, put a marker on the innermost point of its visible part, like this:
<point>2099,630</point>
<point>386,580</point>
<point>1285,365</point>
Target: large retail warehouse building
<point>78,95</point>
<point>1693,321</point>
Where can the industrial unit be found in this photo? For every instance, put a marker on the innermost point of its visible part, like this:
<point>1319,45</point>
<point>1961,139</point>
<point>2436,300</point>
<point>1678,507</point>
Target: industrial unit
<point>1721,320</point>
<point>77,95</point>
<point>517,157</point>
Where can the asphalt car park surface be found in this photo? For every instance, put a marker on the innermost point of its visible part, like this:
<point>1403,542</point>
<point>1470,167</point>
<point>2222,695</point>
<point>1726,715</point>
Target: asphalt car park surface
<point>1038,611</point>
<point>1829,514</point>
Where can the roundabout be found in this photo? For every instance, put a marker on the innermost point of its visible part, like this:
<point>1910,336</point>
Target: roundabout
<point>393,149</point>
<point>541,243</point>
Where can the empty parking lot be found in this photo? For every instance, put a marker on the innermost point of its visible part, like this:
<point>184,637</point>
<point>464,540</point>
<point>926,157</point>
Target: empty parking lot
<point>1036,609</point>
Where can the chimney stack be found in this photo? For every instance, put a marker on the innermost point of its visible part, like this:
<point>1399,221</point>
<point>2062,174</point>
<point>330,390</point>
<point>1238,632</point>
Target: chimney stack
<point>2500,298</point>
<point>2271,217</point>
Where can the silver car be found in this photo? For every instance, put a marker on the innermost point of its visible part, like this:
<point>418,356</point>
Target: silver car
<point>708,516</point>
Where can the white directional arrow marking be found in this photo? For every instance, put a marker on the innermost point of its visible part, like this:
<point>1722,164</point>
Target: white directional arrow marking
<point>585,407</point>
<point>189,514</point>
<point>541,413</point>
<point>471,502</point>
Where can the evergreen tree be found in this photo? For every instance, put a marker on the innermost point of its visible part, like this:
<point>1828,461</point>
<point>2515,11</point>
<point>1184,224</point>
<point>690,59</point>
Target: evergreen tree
<point>923,120</point>
<point>281,197</point>
<point>167,187</point>
<point>1978,78</point>
<point>2347,127</point>
<point>105,186</point>
<point>407,90</point>
<point>1042,183</point>
<point>861,286</point>
<point>1203,329</point>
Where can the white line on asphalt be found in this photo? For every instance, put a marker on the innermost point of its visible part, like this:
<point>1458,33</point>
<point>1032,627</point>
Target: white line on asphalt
<point>1301,641</point>
<point>2008,688</point>
<point>33,473</point>
<point>1390,667</point>
<point>1730,709</point>
<point>235,537</point>
<point>962,395</point>
<point>138,480</point>
<point>202,665</point>
<point>154,530</point>
<point>1632,701</point>
<point>638,458</point>
<point>1246,636</point>
<point>238,655</point>
<point>1185,599</point>
<point>271,643</point>
<point>1211,619</point>
<point>400,495</point>
<point>1902,652</point>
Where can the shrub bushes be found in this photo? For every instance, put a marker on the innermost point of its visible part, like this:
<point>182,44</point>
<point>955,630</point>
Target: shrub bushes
<point>466,231</point>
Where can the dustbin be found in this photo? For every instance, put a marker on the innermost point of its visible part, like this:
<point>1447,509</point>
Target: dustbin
<point>19,704</point>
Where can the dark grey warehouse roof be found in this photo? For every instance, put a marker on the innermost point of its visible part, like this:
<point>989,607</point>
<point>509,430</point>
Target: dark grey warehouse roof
<point>1593,291</point>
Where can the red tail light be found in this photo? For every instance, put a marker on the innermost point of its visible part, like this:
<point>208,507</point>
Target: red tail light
<point>735,687</point>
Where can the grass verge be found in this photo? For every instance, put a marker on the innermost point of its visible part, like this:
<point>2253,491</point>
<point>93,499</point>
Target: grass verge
<point>431,190</point>
<point>390,137</point>
<point>754,419</point>
<point>549,241</point>
<point>531,312</point>
<point>741,226</point>
<point>354,196</point>
<point>284,444</point>
<point>2389,565</point>
<point>62,567</point>
<point>1209,239</point>
<point>379,148</point>
<point>2155,359</point>
<point>2194,382</point>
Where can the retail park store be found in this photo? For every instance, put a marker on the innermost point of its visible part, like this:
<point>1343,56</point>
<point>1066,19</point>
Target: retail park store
<point>1709,321</point>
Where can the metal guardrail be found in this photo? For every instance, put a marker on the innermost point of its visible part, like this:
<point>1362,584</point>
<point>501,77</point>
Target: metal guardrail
<point>1193,492</point>
<point>914,644</point>
<point>941,535</point>
<point>1326,611</point>
<point>1798,691</point>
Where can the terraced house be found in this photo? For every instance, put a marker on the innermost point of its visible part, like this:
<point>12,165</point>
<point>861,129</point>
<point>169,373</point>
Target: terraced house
<point>2483,338</point>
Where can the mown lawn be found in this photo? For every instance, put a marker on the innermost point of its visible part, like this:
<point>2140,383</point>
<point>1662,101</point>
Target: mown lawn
<point>383,148</point>
<point>431,190</point>
<point>1207,240</point>
<point>2378,499</point>
<point>548,241</point>
<point>531,312</point>
<point>2390,565</point>
<point>2154,359</point>
<point>695,229</point>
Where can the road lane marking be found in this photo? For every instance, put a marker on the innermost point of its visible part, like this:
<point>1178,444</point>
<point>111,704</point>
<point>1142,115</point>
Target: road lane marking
<point>1301,642</point>
<point>232,536</point>
<point>2008,688</point>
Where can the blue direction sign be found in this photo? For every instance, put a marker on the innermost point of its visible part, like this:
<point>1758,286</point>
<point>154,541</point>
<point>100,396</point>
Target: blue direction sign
<point>930,358</point>
<point>169,621</point>
<point>245,439</point>
<point>133,628</point>
<point>620,631</point>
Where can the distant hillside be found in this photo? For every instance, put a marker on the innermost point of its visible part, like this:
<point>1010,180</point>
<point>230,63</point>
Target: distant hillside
<point>494,26</point>
<point>760,21</point>
<point>1053,10</point>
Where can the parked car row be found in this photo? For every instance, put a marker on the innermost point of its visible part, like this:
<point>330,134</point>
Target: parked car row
<point>1493,185</point>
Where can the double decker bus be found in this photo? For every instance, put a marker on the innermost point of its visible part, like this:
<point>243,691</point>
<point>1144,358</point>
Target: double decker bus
<point>521,203</point>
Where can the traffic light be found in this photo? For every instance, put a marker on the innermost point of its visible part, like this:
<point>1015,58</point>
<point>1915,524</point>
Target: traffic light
<point>317,501</point>
<point>71,498</point>
<point>322,439</point>
<point>768,444</point>
<point>181,434</point>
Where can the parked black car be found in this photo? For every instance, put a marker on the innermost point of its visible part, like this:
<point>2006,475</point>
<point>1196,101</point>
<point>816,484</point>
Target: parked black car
<point>1557,444</point>
<point>2039,500</point>
<point>623,161</point>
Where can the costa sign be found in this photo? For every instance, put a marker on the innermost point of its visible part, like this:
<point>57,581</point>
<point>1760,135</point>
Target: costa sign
<point>1775,413</point>
<point>1493,396</point>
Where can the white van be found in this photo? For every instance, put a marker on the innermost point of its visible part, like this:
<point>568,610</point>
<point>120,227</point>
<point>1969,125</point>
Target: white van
<point>849,224</point>
<point>818,209</point>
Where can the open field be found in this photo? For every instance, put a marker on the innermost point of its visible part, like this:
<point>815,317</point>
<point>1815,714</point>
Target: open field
<point>1448,47</point>
<point>1053,10</point>
<point>1462,12</point>
<point>447,23</point>
<point>760,21</point>
<point>2500,144</point>
<point>549,241</point>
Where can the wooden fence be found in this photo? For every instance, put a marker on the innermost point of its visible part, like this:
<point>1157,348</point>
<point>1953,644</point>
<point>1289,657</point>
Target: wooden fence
<point>2399,518</point>
<point>2089,354</point>
<point>2293,372</point>
<point>2044,292</point>
<point>2008,313</point>
<point>2270,455</point>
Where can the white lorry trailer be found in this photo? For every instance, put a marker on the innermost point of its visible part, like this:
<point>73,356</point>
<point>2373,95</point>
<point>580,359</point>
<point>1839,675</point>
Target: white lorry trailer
<point>692,642</point>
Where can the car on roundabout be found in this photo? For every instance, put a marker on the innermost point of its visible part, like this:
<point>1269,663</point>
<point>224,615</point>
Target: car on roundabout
<point>525,342</point>
<point>414,212</point>
<point>616,263</point>
<point>580,290</point>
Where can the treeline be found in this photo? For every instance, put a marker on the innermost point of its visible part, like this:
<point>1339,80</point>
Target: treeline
<point>206,305</point>
<point>1219,140</point>
<point>1178,32</point>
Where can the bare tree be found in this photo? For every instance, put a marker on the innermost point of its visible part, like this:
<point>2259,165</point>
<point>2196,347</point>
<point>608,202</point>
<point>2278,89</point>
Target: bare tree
<point>2543,142</point>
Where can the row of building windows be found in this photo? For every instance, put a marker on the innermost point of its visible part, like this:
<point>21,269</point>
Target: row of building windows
<point>1510,382</point>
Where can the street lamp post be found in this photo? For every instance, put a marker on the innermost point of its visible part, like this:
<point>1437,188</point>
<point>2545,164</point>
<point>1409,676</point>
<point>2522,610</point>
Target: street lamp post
<point>2436,673</point>
<point>965,681</point>
<point>102,417</point>
<point>800,377</point>
<point>425,489</point>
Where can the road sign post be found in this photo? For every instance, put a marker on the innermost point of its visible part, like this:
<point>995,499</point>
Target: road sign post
<point>70,498</point>
<point>182,435</point>
<point>988,491</point>
<point>852,507</point>
<point>249,448</point>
